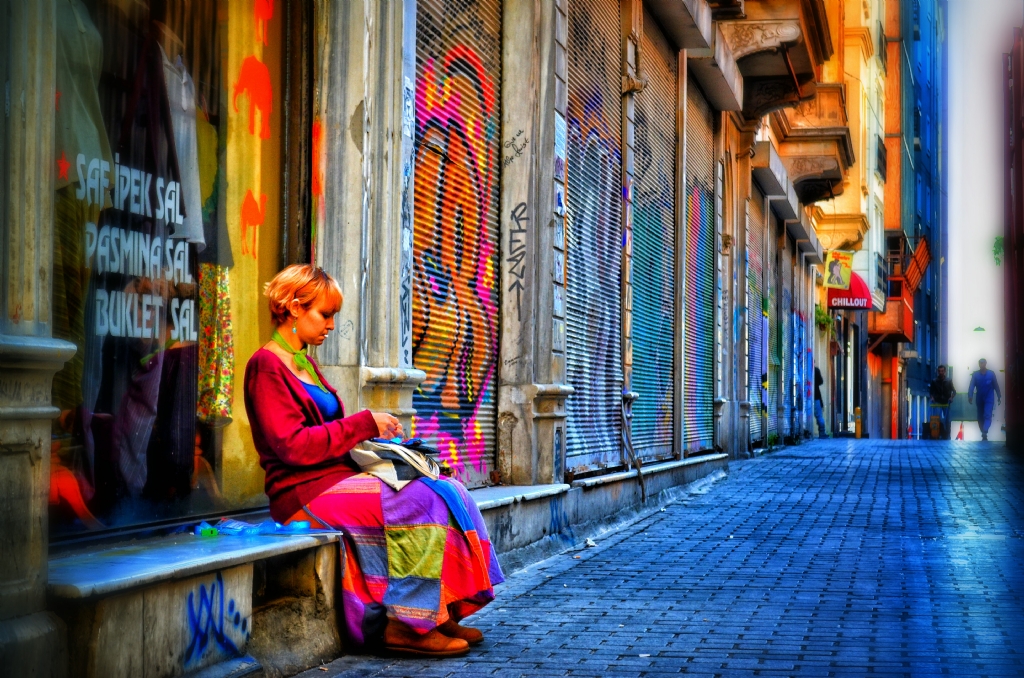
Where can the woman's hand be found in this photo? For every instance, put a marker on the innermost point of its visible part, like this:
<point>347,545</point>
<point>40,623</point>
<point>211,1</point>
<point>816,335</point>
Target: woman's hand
<point>387,425</point>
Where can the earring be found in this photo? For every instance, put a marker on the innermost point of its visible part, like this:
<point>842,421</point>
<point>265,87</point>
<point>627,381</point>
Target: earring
<point>294,330</point>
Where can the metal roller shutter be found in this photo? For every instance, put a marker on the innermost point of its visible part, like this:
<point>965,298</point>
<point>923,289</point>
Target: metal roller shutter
<point>456,231</point>
<point>785,370</point>
<point>654,247</point>
<point>774,340</point>
<point>798,356</point>
<point>699,279</point>
<point>796,347</point>
<point>808,310</point>
<point>787,338</point>
<point>755,283</point>
<point>720,312</point>
<point>593,232</point>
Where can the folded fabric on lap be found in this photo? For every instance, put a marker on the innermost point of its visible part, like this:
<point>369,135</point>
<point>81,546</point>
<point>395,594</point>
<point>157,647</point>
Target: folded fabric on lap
<point>420,555</point>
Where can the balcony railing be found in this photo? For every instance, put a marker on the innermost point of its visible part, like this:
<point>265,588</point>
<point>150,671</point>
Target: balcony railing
<point>881,157</point>
<point>905,271</point>
<point>883,47</point>
<point>896,323</point>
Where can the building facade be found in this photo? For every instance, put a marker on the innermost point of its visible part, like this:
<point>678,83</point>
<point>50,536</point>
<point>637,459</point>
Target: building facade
<point>849,217</point>
<point>579,245</point>
<point>1013,241</point>
<point>928,349</point>
<point>908,337</point>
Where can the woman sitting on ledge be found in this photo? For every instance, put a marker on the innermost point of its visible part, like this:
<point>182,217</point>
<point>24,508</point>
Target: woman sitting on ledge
<point>410,572</point>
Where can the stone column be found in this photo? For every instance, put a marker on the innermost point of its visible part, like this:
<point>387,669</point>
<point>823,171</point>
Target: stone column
<point>32,641</point>
<point>532,389</point>
<point>633,82</point>
<point>364,103</point>
<point>739,438</point>
<point>732,409</point>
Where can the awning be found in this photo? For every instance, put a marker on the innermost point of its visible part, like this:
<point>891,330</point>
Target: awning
<point>857,298</point>
<point>918,264</point>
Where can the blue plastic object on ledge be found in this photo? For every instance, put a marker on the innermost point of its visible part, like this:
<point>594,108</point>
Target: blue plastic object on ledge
<point>232,527</point>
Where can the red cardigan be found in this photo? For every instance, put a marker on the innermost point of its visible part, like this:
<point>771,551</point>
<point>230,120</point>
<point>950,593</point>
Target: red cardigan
<point>302,455</point>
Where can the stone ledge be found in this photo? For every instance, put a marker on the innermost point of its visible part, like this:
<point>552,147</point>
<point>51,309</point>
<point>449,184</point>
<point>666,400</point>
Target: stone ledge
<point>663,467</point>
<point>105,571</point>
<point>525,532</point>
<point>489,498</point>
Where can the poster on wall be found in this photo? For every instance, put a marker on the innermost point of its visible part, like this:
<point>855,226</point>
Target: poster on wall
<point>560,146</point>
<point>838,269</point>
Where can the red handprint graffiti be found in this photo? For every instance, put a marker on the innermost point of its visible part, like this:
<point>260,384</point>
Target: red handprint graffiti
<point>63,166</point>
<point>252,217</point>
<point>263,11</point>
<point>254,80</point>
<point>318,165</point>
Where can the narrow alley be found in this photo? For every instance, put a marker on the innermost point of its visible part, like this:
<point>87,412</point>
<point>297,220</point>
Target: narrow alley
<point>649,336</point>
<point>831,558</point>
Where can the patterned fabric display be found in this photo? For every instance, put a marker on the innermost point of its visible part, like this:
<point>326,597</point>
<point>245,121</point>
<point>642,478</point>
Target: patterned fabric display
<point>216,344</point>
<point>406,556</point>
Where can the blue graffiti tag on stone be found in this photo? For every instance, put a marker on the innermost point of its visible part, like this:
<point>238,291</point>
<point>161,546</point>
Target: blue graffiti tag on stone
<point>207,618</point>
<point>560,526</point>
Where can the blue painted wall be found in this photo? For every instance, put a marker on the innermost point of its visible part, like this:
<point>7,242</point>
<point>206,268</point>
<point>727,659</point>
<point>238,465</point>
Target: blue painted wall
<point>924,33</point>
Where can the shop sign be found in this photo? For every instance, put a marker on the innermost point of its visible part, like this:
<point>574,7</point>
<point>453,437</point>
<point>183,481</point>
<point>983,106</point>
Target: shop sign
<point>838,269</point>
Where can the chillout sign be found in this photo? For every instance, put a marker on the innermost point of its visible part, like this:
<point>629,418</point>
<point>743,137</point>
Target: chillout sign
<point>856,298</point>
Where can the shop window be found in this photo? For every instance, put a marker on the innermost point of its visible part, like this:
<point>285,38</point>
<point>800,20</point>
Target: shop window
<point>5,79</point>
<point>167,213</point>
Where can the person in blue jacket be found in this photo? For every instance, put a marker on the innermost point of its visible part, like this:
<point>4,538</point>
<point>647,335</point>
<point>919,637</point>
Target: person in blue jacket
<point>985,386</point>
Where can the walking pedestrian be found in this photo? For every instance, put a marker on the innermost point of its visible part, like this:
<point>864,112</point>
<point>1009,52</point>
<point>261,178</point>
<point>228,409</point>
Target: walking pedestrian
<point>819,406</point>
<point>417,561</point>
<point>941,394</point>
<point>985,386</point>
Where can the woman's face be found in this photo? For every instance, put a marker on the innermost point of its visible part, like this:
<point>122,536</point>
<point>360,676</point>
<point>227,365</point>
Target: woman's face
<point>313,325</point>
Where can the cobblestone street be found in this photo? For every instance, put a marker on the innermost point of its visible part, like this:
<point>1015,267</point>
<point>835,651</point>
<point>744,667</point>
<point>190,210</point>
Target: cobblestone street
<point>829,558</point>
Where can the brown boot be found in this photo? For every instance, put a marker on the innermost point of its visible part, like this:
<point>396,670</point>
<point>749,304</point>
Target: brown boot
<point>400,638</point>
<point>453,629</point>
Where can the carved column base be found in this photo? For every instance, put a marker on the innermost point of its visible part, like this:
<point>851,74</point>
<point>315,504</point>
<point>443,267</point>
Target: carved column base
<point>743,435</point>
<point>531,434</point>
<point>722,422</point>
<point>549,430</point>
<point>390,389</point>
<point>32,642</point>
<point>34,645</point>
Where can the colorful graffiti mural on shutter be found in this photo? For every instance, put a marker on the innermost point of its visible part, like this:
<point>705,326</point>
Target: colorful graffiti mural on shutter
<point>455,236</point>
<point>594,238</point>
<point>654,248</point>
<point>756,369</point>
<point>699,275</point>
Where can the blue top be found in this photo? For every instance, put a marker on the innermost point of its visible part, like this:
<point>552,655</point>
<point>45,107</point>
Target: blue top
<point>985,384</point>
<point>325,401</point>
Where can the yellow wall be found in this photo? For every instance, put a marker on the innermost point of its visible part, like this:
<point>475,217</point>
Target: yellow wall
<point>251,164</point>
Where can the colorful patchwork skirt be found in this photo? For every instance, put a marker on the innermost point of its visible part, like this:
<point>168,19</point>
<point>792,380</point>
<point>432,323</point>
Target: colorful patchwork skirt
<point>420,555</point>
